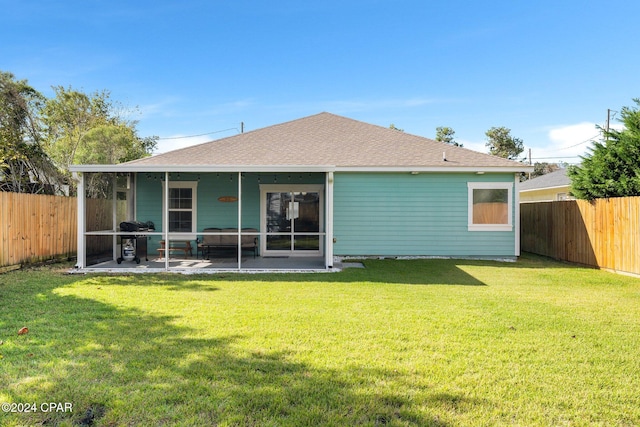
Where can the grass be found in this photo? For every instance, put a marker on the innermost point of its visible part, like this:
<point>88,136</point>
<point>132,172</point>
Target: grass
<point>421,342</point>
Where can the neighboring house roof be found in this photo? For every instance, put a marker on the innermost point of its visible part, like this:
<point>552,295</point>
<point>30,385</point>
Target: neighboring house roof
<point>555,179</point>
<point>329,140</point>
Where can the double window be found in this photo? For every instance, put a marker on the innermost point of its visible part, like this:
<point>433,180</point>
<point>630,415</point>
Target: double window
<point>490,206</point>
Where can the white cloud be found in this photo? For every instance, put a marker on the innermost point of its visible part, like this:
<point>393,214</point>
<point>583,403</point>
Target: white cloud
<point>567,143</point>
<point>474,145</point>
<point>564,143</point>
<point>565,137</point>
<point>177,142</point>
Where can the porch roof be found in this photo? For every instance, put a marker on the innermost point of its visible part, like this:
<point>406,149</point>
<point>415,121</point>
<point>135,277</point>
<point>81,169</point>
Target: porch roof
<point>323,142</point>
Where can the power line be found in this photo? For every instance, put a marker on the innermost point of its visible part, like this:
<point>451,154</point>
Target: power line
<point>580,143</point>
<point>202,134</point>
<point>561,149</point>
<point>556,157</point>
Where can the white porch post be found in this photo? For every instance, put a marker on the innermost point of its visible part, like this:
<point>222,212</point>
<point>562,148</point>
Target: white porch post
<point>329,221</point>
<point>516,220</point>
<point>239,221</point>
<point>114,214</point>
<point>81,249</point>
<point>165,220</point>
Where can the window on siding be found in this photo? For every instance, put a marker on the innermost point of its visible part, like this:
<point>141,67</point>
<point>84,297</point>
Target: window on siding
<point>490,206</point>
<point>182,202</point>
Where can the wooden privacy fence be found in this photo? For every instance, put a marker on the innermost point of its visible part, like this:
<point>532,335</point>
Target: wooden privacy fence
<point>36,228</point>
<point>604,233</point>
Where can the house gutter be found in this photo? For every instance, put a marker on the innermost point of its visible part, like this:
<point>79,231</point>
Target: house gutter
<point>294,168</point>
<point>426,169</point>
<point>198,168</point>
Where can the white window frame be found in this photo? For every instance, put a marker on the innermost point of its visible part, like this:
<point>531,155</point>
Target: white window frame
<point>490,186</point>
<point>193,185</point>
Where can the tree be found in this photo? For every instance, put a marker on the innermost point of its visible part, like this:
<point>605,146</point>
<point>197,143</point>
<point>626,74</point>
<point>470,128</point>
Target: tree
<point>502,144</point>
<point>24,166</point>
<point>612,168</point>
<point>447,135</point>
<point>90,129</point>
<point>392,126</point>
<point>112,144</point>
<point>543,168</point>
<point>69,117</point>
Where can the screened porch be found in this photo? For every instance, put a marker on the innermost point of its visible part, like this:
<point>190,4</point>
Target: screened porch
<point>204,220</point>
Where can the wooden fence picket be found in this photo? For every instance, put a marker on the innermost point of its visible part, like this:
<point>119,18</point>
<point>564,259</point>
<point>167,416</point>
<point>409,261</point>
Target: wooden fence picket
<point>604,233</point>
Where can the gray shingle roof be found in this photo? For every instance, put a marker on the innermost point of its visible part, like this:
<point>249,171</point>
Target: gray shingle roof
<point>558,178</point>
<point>326,139</point>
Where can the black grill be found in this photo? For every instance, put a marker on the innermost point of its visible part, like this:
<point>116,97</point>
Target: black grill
<point>136,226</point>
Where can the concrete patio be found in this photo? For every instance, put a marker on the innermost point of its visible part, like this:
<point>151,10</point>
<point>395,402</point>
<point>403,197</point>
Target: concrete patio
<point>193,265</point>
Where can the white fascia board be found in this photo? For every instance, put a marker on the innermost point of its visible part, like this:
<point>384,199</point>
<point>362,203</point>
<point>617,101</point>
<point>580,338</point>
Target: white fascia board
<point>291,168</point>
<point>419,169</point>
<point>200,168</point>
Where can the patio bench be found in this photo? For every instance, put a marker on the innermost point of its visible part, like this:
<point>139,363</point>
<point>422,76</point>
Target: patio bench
<point>209,243</point>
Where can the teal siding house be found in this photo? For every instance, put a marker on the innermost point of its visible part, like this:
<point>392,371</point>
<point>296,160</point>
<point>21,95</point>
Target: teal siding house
<point>298,196</point>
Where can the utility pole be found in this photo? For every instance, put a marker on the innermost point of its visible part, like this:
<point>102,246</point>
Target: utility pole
<point>241,127</point>
<point>529,162</point>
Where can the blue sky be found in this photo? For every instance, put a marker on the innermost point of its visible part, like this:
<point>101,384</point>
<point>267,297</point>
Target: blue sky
<point>548,70</point>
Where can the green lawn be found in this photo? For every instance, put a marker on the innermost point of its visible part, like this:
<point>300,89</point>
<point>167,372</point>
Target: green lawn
<point>423,342</point>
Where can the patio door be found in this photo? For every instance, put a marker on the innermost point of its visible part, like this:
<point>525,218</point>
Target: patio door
<point>292,220</point>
